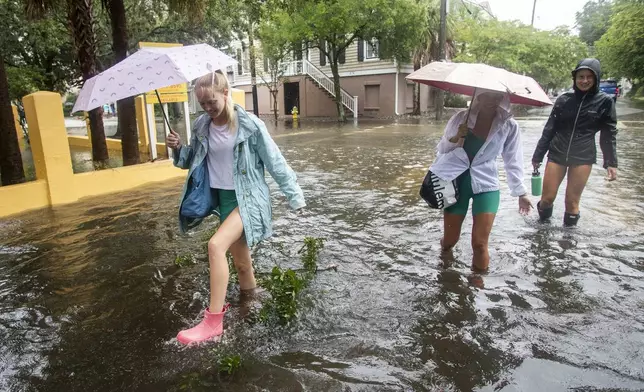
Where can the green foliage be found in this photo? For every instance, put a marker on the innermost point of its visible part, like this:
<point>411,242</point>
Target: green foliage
<point>339,23</point>
<point>593,21</point>
<point>38,54</point>
<point>310,250</point>
<point>185,22</point>
<point>230,364</point>
<point>24,80</point>
<point>285,286</point>
<point>275,48</point>
<point>455,101</point>
<point>547,56</point>
<point>401,30</point>
<point>638,92</point>
<point>185,260</point>
<point>621,49</point>
<point>425,47</point>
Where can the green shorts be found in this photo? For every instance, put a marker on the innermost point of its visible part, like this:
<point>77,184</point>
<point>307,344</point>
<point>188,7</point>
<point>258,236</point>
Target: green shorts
<point>482,203</point>
<point>226,201</point>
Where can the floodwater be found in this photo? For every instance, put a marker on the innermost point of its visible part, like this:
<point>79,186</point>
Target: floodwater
<point>90,298</point>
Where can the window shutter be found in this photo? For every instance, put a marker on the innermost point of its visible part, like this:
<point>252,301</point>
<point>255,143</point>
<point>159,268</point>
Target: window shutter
<point>322,45</point>
<point>342,57</point>
<point>360,50</point>
<point>265,64</point>
<point>240,61</point>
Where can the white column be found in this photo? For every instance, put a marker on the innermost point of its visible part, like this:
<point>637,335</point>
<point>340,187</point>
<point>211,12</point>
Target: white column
<point>166,127</point>
<point>186,116</point>
<point>355,100</point>
<point>152,131</point>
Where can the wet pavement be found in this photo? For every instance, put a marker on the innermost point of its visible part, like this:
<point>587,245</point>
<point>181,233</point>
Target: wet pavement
<point>90,298</point>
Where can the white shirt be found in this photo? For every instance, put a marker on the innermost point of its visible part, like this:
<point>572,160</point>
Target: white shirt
<point>221,145</point>
<point>504,139</point>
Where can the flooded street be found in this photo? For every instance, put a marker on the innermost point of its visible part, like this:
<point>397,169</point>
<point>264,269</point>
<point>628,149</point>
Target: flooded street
<point>91,299</point>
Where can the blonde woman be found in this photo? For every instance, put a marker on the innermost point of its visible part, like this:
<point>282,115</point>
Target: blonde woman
<point>233,147</point>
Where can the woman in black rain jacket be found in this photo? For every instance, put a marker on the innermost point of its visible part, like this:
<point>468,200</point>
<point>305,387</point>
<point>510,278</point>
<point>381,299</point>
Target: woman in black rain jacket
<point>569,139</point>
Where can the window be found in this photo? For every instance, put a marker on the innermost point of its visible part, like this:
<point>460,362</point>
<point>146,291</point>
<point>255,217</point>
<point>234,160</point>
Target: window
<point>372,96</point>
<point>322,47</point>
<point>372,49</point>
<point>297,51</point>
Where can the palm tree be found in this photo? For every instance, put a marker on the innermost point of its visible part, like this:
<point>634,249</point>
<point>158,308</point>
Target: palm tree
<point>125,107</point>
<point>11,170</point>
<point>81,22</point>
<point>427,48</point>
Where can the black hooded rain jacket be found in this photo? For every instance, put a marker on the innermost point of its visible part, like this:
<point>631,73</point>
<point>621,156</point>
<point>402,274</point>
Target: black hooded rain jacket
<point>569,134</point>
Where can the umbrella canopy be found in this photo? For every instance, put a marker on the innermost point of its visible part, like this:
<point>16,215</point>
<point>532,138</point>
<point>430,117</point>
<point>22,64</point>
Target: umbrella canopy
<point>150,69</point>
<point>465,78</point>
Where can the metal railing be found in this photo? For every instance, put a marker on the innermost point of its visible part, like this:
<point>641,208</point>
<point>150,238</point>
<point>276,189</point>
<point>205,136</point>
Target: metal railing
<point>305,67</point>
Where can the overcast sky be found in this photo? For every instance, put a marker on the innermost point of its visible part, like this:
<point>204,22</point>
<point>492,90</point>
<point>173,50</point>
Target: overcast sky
<point>549,13</point>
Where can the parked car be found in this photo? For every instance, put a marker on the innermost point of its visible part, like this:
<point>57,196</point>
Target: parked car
<point>609,87</point>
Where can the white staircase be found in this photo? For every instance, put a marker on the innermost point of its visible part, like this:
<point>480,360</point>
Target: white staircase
<point>305,67</point>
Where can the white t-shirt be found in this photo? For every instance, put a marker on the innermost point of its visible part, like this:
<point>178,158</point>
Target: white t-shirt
<point>221,144</point>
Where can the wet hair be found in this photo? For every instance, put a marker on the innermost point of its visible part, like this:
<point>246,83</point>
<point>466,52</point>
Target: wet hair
<point>218,82</point>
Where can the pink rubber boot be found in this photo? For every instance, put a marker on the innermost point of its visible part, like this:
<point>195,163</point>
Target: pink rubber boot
<point>211,326</point>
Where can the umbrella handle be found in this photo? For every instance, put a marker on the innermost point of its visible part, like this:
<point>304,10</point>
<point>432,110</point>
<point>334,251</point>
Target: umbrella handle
<point>467,118</point>
<point>165,116</point>
<point>455,139</point>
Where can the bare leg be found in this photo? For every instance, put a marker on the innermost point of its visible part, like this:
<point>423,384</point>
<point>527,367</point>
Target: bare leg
<point>243,264</point>
<point>229,232</point>
<point>480,237</point>
<point>577,179</point>
<point>552,179</point>
<point>452,224</point>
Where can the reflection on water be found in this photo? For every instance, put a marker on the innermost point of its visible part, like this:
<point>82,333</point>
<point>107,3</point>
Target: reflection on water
<point>90,298</point>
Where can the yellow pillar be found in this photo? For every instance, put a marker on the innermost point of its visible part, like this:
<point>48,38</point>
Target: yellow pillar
<point>88,128</point>
<point>16,120</point>
<point>239,97</point>
<point>49,145</point>
<point>142,124</point>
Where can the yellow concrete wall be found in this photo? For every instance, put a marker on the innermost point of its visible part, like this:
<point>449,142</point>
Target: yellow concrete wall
<point>56,183</point>
<point>23,197</point>
<point>113,145</point>
<point>142,125</point>
<point>16,120</point>
<point>239,96</point>
<point>124,178</point>
<point>49,145</point>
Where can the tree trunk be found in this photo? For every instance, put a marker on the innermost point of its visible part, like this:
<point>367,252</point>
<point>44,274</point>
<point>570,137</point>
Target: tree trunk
<point>338,90</point>
<point>125,107</point>
<point>81,21</point>
<point>416,111</point>
<point>275,111</point>
<point>11,170</point>
<point>253,70</point>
